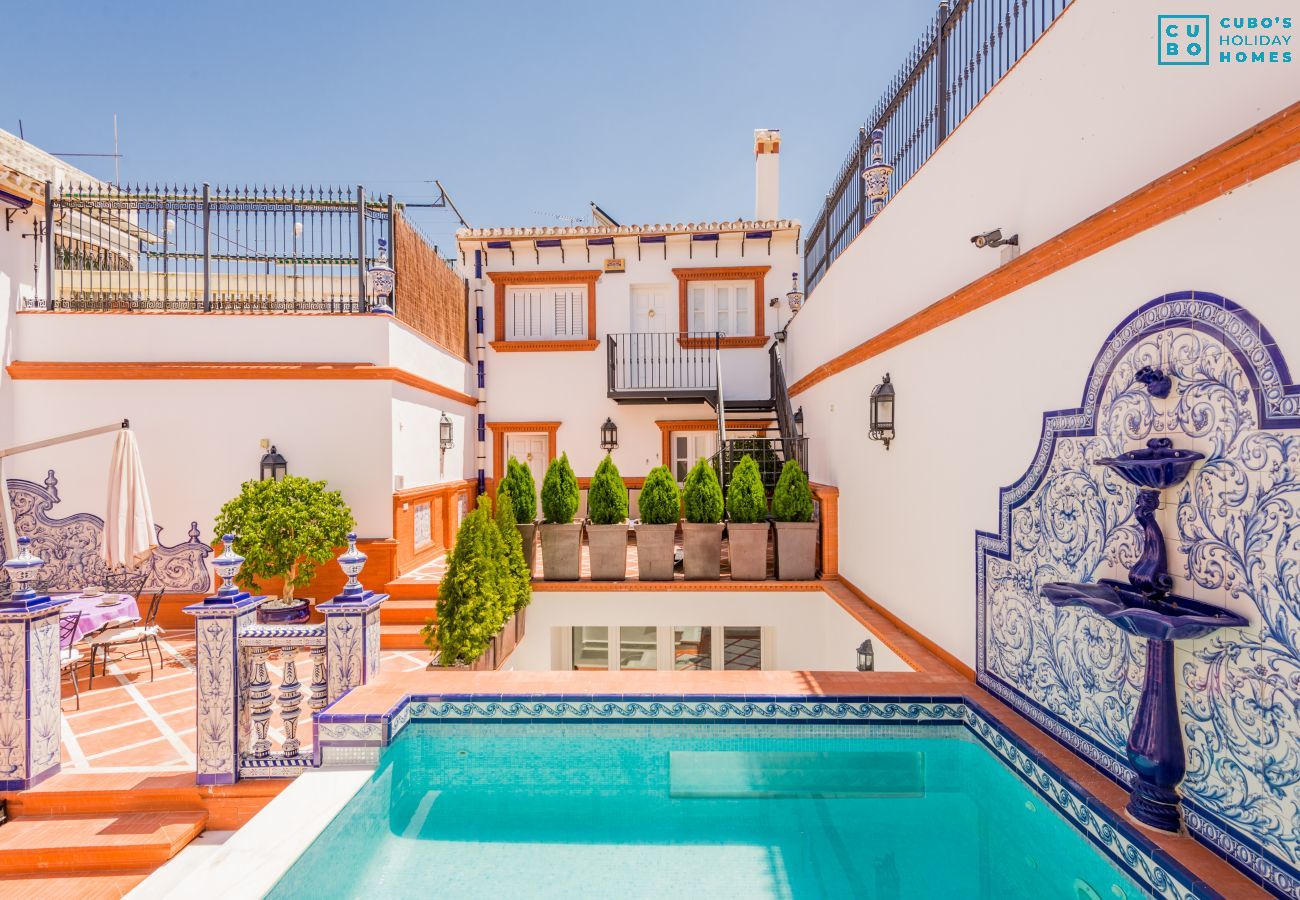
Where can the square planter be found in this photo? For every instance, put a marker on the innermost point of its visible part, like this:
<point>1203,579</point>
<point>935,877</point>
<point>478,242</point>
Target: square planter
<point>702,546</point>
<point>796,551</point>
<point>747,545</point>
<point>655,545</point>
<point>608,547</point>
<point>519,624</point>
<point>561,551</point>
<point>528,533</point>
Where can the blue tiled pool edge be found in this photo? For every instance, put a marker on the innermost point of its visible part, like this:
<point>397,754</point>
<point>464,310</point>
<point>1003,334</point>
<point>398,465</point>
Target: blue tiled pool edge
<point>352,739</point>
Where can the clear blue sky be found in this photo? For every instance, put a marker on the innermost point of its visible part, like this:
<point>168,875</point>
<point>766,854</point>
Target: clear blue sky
<point>524,111</point>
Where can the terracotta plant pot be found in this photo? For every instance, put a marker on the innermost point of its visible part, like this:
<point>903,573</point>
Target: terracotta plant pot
<point>796,551</point>
<point>292,614</point>
<point>519,624</point>
<point>702,546</point>
<point>747,545</point>
<point>528,532</point>
<point>561,551</point>
<point>608,547</point>
<point>655,545</point>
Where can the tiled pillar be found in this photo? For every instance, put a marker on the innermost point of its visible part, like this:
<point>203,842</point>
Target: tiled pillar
<point>221,673</point>
<point>31,719</point>
<point>351,628</point>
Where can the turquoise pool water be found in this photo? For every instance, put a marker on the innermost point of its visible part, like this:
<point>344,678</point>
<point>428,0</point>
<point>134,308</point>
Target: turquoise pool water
<point>569,810</point>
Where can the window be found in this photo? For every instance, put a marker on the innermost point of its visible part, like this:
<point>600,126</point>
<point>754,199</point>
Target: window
<point>590,648</point>
<point>638,647</point>
<point>546,313</point>
<point>742,647</point>
<point>727,307</point>
<point>689,447</point>
<point>693,647</point>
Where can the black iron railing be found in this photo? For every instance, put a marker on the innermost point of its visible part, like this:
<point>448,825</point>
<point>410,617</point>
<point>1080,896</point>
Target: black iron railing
<point>789,430</point>
<point>197,248</point>
<point>770,453</point>
<point>957,60</point>
<point>660,363</point>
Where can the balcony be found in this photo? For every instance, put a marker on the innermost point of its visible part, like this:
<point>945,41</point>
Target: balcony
<point>663,367</point>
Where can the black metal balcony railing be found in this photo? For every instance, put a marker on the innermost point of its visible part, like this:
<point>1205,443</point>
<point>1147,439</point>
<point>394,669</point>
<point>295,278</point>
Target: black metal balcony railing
<point>657,364</point>
<point>958,59</point>
<point>202,249</point>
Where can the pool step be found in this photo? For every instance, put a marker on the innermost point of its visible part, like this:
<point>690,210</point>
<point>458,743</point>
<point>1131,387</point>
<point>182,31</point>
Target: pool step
<point>96,842</point>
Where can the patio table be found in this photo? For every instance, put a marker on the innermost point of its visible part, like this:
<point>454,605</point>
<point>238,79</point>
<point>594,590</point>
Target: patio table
<point>94,616</point>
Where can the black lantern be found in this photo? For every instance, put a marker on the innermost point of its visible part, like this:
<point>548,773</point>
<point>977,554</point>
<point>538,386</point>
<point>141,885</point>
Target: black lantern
<point>798,421</point>
<point>882,412</point>
<point>445,441</point>
<point>608,435</point>
<point>866,656</point>
<point>274,466</point>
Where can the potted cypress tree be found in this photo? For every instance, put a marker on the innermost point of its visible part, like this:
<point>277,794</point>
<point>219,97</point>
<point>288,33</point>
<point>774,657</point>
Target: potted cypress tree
<point>702,530</point>
<point>747,527</point>
<point>287,528</point>
<point>523,496</point>
<point>471,608</point>
<point>561,536</point>
<point>796,532</point>
<point>519,576</point>
<point>607,523</point>
<point>656,534</point>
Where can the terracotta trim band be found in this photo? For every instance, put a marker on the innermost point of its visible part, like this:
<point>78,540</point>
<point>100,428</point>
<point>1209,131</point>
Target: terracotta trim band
<point>21,370</point>
<point>1263,148</point>
<point>542,346</point>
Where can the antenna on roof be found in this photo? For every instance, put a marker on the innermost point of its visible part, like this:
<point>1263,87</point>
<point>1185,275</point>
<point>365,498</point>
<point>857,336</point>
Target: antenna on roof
<point>600,217</point>
<point>568,220</point>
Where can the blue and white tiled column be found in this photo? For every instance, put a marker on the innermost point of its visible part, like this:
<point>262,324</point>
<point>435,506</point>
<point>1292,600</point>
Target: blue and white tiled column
<point>223,722</point>
<point>351,628</point>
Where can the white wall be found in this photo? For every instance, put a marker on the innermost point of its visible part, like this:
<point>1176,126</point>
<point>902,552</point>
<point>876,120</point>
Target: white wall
<point>809,630</point>
<point>17,285</point>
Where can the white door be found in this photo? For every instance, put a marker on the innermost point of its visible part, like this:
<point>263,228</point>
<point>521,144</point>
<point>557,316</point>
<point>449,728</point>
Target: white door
<point>532,450</point>
<point>689,447</point>
<point>649,309</point>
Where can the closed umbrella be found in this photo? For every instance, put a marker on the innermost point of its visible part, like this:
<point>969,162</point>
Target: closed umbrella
<point>129,533</point>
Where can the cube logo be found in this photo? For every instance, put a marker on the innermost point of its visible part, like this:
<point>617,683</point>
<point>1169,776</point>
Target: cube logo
<point>1183,40</point>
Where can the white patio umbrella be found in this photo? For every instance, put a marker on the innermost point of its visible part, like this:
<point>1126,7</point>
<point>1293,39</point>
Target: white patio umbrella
<point>129,533</point>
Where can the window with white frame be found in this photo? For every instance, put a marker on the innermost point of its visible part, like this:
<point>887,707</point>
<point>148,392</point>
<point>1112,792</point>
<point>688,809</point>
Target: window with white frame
<point>546,313</point>
<point>727,307</point>
<point>690,446</point>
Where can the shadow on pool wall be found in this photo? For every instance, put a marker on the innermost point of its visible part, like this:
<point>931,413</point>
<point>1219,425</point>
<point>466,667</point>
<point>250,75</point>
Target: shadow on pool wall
<point>1231,534</point>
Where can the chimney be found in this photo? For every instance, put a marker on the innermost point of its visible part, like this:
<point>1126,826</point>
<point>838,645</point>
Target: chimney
<point>767,172</point>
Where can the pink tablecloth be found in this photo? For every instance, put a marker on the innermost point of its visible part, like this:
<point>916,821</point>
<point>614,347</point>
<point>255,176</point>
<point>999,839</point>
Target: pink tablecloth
<point>94,616</point>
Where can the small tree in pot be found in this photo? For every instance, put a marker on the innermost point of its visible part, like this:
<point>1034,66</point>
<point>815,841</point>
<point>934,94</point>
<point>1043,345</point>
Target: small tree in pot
<point>656,534</point>
<point>796,532</point>
<point>286,528</point>
<point>747,527</point>
<point>607,522</point>
<point>561,536</point>
<point>702,530</point>
<point>523,494</point>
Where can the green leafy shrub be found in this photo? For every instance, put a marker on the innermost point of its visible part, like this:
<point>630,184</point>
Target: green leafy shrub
<point>286,529</point>
<point>523,490</point>
<point>471,600</point>
<point>661,500</point>
<point>746,499</point>
<point>760,449</point>
<point>792,501</point>
<point>703,494</point>
<point>607,496</point>
<point>559,492</point>
<point>519,579</point>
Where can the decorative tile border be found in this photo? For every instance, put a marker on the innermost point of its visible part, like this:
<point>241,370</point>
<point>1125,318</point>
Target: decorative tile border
<point>344,739</point>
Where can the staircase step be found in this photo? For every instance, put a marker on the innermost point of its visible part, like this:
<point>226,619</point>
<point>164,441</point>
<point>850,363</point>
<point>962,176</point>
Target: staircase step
<point>70,793</point>
<point>407,612</point>
<point>96,842</point>
<point>78,885</point>
<point>400,637</point>
<point>420,589</point>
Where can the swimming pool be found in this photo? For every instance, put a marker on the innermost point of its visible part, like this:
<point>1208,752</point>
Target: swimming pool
<point>533,804</point>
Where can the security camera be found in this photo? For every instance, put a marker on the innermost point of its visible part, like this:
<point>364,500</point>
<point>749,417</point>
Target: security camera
<point>994,238</point>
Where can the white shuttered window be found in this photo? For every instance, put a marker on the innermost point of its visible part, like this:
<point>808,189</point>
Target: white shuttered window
<point>547,313</point>
<point>727,307</point>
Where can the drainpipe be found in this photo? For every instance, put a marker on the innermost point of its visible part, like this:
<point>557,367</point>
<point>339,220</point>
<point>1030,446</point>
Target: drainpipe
<point>480,355</point>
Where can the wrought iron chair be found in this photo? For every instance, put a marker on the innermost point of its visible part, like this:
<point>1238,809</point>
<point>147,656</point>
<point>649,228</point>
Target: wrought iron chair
<point>125,583</point>
<point>69,655</point>
<point>140,633</point>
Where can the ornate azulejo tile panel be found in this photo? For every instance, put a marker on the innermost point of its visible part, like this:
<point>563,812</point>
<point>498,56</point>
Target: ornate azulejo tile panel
<point>13,702</point>
<point>70,546</point>
<point>1233,538</point>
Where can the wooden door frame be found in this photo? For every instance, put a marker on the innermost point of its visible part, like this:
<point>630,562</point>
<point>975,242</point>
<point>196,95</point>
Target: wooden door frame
<point>501,429</point>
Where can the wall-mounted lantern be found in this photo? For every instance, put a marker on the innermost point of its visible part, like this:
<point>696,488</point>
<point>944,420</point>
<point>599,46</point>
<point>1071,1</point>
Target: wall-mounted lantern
<point>866,656</point>
<point>882,412</point>
<point>381,279</point>
<point>608,435</point>
<point>798,421</point>
<point>274,466</point>
<point>445,441</point>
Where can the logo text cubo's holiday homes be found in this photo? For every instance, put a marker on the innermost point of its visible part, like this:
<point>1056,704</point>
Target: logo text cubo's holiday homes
<point>1198,40</point>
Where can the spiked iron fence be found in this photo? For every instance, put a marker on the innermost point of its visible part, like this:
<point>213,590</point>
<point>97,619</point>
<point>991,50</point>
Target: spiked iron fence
<point>957,60</point>
<point>239,249</point>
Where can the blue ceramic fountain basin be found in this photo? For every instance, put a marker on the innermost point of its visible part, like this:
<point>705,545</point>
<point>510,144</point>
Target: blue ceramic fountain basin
<point>1157,467</point>
<point>1162,618</point>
